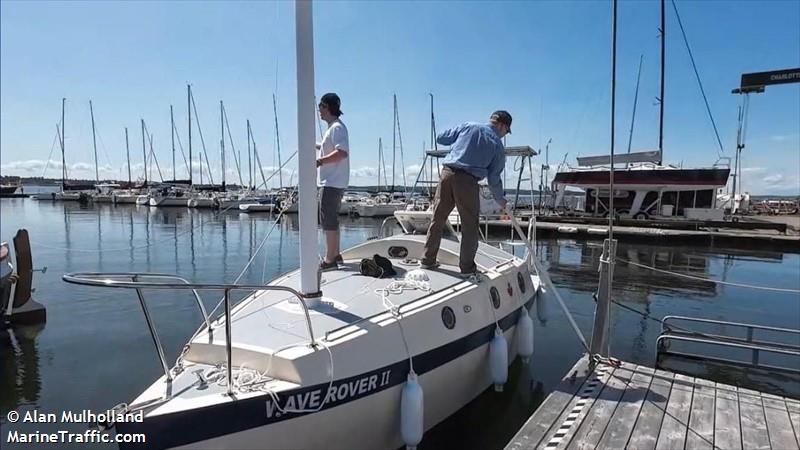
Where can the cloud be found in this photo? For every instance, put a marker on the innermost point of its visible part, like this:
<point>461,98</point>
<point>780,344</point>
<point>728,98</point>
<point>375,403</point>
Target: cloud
<point>364,172</point>
<point>774,180</point>
<point>753,169</point>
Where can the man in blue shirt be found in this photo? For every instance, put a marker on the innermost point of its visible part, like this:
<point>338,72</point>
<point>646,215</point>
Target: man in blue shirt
<point>477,152</point>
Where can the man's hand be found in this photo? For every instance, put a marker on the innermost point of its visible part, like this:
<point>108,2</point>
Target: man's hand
<point>14,277</point>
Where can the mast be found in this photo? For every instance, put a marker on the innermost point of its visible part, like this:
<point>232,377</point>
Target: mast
<point>128,155</point>
<point>249,160</point>
<point>172,129</point>
<point>94,144</point>
<point>63,158</point>
<point>380,161</point>
<point>144,154</point>
<point>222,142</point>
<point>307,203</point>
<point>661,95</point>
<point>278,139</point>
<point>394,138</point>
<point>189,108</point>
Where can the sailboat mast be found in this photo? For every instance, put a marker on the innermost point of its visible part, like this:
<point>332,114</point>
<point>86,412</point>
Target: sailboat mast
<point>661,95</point>
<point>94,144</point>
<point>144,154</point>
<point>189,108</point>
<point>63,158</point>
<point>307,199</point>
<point>222,142</point>
<point>172,129</point>
<point>380,160</point>
<point>394,138</point>
<point>277,139</point>
<point>128,156</point>
<point>249,159</point>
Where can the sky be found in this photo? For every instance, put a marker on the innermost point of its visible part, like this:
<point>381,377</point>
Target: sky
<point>547,62</point>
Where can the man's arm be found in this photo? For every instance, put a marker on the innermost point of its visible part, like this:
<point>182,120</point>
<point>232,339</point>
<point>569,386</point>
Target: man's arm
<point>493,177</point>
<point>340,148</point>
<point>447,137</point>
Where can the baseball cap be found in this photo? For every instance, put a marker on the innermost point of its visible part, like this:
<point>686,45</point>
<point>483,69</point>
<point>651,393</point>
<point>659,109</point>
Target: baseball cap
<point>332,101</point>
<point>503,117</point>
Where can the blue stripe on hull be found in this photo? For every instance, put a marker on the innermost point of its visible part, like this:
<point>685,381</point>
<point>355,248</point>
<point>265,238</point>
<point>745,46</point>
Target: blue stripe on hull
<point>185,427</point>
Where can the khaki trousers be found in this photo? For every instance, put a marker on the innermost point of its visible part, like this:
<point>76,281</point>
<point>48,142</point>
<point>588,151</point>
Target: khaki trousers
<point>456,189</point>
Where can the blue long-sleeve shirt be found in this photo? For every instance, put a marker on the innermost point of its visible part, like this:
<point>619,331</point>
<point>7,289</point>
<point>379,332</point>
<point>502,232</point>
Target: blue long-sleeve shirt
<point>477,149</point>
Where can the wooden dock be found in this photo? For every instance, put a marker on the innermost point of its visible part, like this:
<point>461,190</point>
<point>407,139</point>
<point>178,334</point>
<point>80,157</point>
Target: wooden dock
<point>637,407</point>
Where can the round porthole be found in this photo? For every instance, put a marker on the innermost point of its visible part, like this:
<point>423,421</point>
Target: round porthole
<point>521,282</point>
<point>495,297</point>
<point>448,317</point>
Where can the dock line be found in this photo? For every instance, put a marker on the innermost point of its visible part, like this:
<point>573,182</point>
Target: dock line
<point>727,283</point>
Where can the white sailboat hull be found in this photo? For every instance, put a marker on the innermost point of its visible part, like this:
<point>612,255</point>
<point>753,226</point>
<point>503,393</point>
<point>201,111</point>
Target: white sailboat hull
<point>378,209</point>
<point>168,201</point>
<point>361,407</point>
<point>372,422</point>
<point>201,202</point>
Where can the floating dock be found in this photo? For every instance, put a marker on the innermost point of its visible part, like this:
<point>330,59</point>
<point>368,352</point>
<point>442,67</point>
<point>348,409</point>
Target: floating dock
<point>707,235</point>
<point>631,406</point>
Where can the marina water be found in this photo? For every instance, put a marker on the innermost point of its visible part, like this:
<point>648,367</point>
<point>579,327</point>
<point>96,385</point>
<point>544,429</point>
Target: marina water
<point>95,350</point>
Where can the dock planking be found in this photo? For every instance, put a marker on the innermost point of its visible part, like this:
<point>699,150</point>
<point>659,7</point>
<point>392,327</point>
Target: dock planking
<point>630,406</point>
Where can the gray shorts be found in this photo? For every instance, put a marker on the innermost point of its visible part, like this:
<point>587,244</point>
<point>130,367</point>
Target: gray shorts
<point>329,201</point>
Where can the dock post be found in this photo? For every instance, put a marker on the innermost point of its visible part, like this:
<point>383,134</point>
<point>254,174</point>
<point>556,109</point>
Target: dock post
<point>602,312</point>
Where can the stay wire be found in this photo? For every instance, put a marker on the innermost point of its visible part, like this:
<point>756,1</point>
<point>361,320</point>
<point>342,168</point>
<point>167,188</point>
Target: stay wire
<point>699,82</point>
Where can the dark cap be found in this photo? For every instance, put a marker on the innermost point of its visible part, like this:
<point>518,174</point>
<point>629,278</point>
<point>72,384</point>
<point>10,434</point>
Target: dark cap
<point>503,117</point>
<point>333,103</point>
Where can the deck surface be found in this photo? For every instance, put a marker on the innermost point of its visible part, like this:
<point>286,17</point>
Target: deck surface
<point>638,407</point>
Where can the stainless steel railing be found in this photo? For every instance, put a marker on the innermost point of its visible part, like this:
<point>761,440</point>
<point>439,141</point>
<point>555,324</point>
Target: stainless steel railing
<point>137,281</point>
<point>679,328</point>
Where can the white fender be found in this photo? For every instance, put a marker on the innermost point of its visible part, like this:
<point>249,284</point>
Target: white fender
<point>498,359</point>
<point>524,335</point>
<point>411,412</point>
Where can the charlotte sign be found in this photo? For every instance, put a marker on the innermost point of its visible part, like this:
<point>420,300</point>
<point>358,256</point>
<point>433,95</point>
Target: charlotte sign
<point>751,80</point>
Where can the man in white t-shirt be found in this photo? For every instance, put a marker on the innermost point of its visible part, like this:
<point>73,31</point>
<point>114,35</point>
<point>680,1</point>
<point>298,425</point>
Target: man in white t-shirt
<point>334,175</point>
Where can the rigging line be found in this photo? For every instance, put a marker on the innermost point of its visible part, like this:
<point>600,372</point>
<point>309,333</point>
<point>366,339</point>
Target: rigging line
<point>180,146</point>
<point>699,82</point>
<point>52,148</point>
<point>726,283</point>
<point>202,141</point>
<point>264,183</point>
<point>233,148</point>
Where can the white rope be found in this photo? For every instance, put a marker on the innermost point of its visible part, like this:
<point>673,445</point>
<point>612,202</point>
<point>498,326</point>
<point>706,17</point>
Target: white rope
<point>252,380</point>
<point>726,283</point>
<point>397,287</point>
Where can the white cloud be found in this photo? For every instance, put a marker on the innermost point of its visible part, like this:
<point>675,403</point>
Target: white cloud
<point>773,180</point>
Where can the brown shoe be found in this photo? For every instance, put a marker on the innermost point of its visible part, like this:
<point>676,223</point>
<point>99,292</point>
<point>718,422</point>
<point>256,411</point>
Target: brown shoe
<point>324,265</point>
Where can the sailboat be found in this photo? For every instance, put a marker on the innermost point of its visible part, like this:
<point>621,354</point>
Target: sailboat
<point>334,359</point>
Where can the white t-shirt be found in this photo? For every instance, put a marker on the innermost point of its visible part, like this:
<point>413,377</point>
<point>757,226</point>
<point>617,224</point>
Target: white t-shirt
<point>336,174</point>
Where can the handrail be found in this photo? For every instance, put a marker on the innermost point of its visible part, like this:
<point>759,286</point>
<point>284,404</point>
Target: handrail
<point>107,279</point>
<point>384,223</point>
<point>664,324</point>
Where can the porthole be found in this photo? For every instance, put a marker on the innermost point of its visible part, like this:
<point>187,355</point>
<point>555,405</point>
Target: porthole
<point>521,282</point>
<point>495,297</point>
<point>448,317</point>
<point>398,252</point>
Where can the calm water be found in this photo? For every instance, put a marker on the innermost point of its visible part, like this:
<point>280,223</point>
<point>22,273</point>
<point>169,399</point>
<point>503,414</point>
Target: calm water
<point>95,350</point>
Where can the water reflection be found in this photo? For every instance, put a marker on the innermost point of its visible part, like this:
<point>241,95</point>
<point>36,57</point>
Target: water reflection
<point>20,381</point>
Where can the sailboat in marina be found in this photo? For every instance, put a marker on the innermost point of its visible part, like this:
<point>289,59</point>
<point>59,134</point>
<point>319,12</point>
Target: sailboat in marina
<point>333,359</point>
